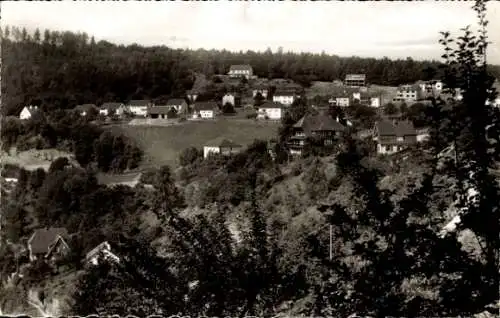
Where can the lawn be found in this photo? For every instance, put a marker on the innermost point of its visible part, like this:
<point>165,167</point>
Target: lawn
<point>162,145</point>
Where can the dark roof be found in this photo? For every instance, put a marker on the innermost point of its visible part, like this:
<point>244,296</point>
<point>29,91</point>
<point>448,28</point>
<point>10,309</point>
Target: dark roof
<point>242,67</point>
<point>159,110</point>
<point>111,105</point>
<point>205,106</point>
<point>223,143</point>
<point>413,87</point>
<point>175,101</point>
<point>85,107</point>
<point>272,105</point>
<point>400,129</point>
<point>285,92</point>
<point>42,239</point>
<point>355,77</point>
<point>139,102</point>
<point>318,122</point>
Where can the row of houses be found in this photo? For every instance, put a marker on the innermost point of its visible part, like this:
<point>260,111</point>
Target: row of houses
<point>51,244</point>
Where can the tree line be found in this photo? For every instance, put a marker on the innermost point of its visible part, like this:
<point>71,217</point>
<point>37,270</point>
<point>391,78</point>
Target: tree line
<point>63,69</point>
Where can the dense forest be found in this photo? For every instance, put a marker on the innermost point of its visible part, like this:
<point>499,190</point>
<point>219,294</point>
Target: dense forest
<point>62,69</point>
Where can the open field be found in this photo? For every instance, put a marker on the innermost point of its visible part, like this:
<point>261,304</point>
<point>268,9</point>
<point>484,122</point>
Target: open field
<point>33,159</point>
<point>162,145</point>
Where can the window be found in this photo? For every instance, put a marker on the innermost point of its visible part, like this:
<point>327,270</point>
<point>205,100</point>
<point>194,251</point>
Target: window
<point>387,148</point>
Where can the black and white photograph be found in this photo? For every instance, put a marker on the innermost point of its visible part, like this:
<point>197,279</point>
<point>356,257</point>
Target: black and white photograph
<point>250,158</point>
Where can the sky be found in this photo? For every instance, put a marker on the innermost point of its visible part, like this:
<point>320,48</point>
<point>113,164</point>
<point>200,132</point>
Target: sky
<point>368,29</point>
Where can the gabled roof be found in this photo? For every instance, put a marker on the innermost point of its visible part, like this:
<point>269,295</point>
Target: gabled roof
<point>32,109</point>
<point>175,101</point>
<point>355,77</point>
<point>318,122</point>
<point>159,110</point>
<point>42,239</point>
<point>205,106</point>
<point>222,142</point>
<point>103,246</point>
<point>139,102</point>
<point>285,91</point>
<point>400,129</point>
<point>272,105</point>
<point>240,67</point>
<point>85,107</point>
<point>111,105</point>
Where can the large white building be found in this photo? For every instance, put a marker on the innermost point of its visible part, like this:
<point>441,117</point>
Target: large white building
<point>270,111</point>
<point>244,70</point>
<point>139,107</point>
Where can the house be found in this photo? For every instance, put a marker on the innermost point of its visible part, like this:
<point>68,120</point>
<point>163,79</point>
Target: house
<point>407,93</point>
<point>423,134</point>
<point>392,137</point>
<point>285,96</point>
<point>232,98</point>
<point>341,100</point>
<point>179,104</point>
<point>112,108</point>
<point>160,111</point>
<point>221,146</point>
<point>375,102</point>
<point>192,95</point>
<point>319,125</point>
<point>361,98</point>
<point>260,89</point>
<point>355,80</point>
<point>430,87</point>
<point>100,253</point>
<point>139,107</point>
<point>205,110</point>
<point>48,243</point>
<point>244,70</point>
<point>271,111</point>
<point>28,111</point>
<point>85,109</point>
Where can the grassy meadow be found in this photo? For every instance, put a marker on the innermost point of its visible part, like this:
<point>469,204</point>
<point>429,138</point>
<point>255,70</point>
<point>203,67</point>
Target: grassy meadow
<point>162,145</point>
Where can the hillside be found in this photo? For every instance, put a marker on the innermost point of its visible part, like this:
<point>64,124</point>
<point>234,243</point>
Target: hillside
<point>162,145</point>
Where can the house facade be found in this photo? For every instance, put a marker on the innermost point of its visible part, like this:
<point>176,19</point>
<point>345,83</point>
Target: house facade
<point>112,108</point>
<point>204,110</point>
<point>85,109</point>
<point>262,90</point>
<point>285,96</point>
<point>319,126</point>
<point>139,107</point>
<point>375,102</point>
<point>224,147</point>
<point>341,101</point>
<point>407,93</point>
<point>232,98</point>
<point>28,111</point>
<point>179,104</point>
<point>48,244</point>
<point>243,70</point>
<point>159,112</point>
<point>395,136</point>
<point>270,111</point>
<point>355,80</point>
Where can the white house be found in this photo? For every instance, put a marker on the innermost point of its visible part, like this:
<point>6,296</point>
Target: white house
<point>28,111</point>
<point>204,110</point>
<point>284,96</point>
<point>232,98</point>
<point>221,146</point>
<point>112,108</point>
<point>341,101</point>
<point>139,107</point>
<point>375,102</point>
<point>355,80</point>
<point>271,111</point>
<point>407,93</point>
<point>179,104</point>
<point>244,70</point>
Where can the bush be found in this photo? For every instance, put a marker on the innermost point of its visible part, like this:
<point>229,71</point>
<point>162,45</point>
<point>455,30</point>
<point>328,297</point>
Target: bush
<point>252,116</point>
<point>189,155</point>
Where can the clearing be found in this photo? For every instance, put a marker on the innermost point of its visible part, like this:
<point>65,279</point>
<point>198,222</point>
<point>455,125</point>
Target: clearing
<point>33,159</point>
<point>162,145</point>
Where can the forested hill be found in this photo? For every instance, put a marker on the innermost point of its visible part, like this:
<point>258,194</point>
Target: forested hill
<point>62,69</point>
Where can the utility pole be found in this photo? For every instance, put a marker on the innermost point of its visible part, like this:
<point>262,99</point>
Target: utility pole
<point>331,242</point>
